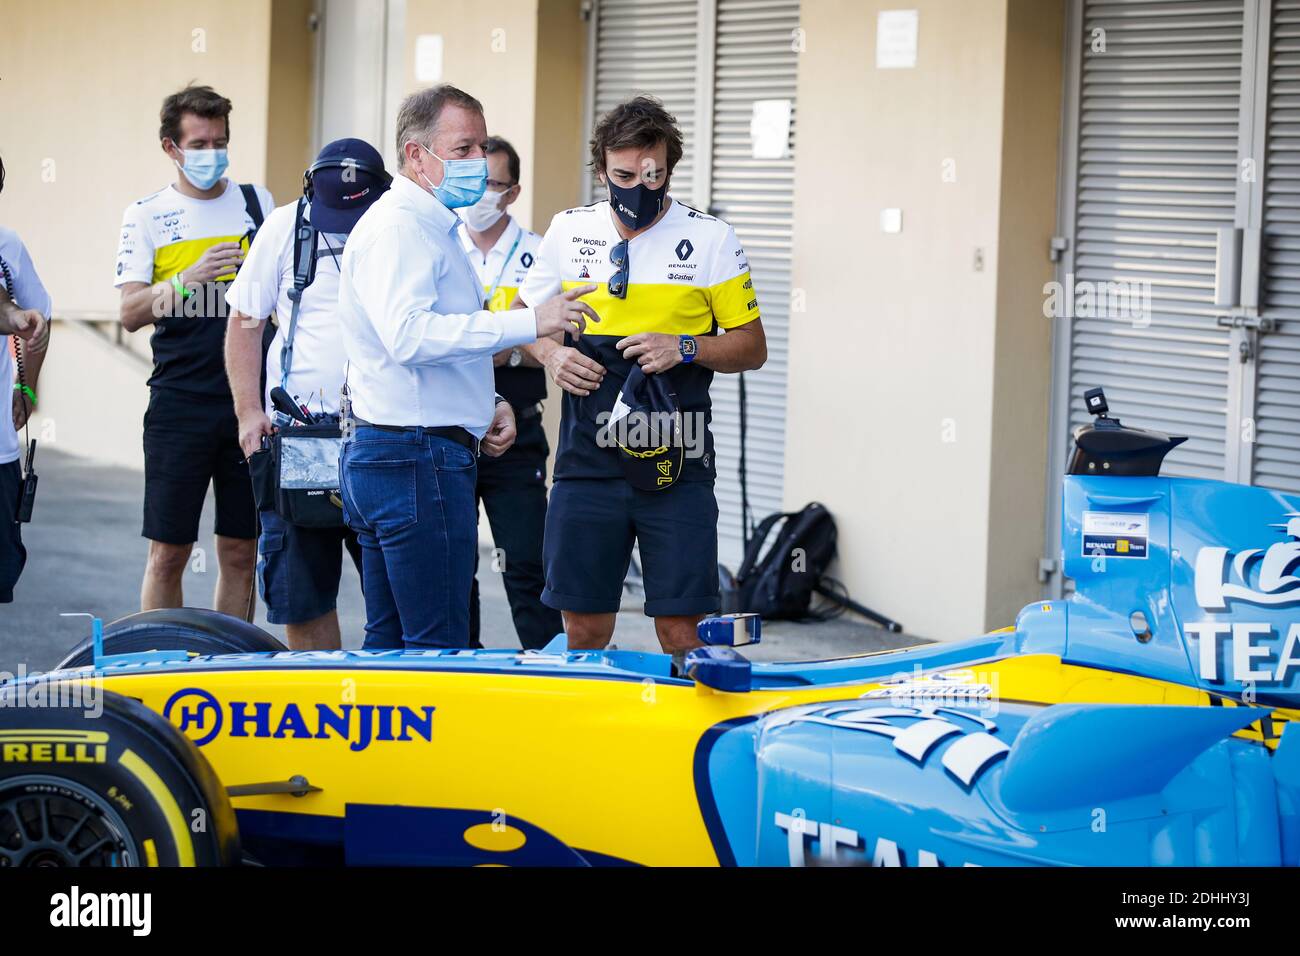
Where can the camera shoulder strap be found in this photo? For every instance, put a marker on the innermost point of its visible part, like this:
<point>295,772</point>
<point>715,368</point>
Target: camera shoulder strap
<point>304,272</point>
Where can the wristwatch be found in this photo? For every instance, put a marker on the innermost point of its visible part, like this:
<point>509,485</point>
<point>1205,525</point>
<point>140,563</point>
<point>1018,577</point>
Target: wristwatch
<point>516,357</point>
<point>688,347</point>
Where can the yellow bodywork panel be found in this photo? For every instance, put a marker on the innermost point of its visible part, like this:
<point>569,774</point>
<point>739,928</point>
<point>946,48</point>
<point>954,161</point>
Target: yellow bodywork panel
<point>599,762</point>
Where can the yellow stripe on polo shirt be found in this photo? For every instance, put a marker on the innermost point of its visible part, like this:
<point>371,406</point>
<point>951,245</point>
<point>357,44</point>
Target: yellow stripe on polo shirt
<point>671,308</point>
<point>734,301</point>
<point>176,257</point>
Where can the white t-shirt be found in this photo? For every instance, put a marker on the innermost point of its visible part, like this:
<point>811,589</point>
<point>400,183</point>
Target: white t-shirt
<point>29,293</point>
<point>262,287</point>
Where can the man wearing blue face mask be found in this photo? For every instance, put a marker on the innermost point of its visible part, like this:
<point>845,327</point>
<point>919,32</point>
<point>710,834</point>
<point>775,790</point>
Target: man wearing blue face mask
<point>178,249</point>
<point>419,345</point>
<point>678,303</point>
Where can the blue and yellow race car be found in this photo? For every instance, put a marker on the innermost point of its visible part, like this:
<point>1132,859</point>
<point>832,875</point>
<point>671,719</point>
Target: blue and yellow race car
<point>1147,719</point>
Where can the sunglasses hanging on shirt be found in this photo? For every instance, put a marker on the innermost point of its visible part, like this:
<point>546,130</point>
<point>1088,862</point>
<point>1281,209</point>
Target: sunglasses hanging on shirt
<point>623,264</point>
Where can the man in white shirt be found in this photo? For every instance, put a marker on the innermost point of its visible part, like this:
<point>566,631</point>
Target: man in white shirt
<point>512,487</point>
<point>24,314</point>
<point>419,345</point>
<point>299,567</point>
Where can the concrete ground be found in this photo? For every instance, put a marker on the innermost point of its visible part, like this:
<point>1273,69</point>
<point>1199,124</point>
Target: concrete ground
<point>86,555</point>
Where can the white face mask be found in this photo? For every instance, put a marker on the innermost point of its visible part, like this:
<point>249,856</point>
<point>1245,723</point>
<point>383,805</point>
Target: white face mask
<point>483,215</point>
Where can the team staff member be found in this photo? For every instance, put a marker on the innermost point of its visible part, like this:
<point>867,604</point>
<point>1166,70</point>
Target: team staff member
<point>299,568</point>
<point>420,345</point>
<point>178,247</point>
<point>24,314</point>
<point>512,487</point>
<point>669,277</point>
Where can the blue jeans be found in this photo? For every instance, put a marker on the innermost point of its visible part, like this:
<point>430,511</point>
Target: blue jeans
<point>410,499</point>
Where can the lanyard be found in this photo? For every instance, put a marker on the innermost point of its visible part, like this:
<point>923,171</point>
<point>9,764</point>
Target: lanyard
<point>506,265</point>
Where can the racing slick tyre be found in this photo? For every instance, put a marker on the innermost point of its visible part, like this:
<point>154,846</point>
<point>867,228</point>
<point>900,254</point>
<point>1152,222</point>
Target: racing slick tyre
<point>191,629</point>
<point>123,788</point>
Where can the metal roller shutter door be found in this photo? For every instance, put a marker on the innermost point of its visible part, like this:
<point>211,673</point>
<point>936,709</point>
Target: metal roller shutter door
<point>1276,454</point>
<point>755,60</point>
<point>1157,175</point>
<point>649,47</point>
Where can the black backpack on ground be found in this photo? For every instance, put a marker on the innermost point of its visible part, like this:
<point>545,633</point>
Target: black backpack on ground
<point>778,581</point>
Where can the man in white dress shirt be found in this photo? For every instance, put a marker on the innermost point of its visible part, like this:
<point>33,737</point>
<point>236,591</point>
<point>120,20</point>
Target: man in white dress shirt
<point>419,381</point>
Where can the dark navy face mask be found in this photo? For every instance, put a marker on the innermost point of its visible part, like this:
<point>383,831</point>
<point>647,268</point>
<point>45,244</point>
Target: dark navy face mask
<point>636,206</point>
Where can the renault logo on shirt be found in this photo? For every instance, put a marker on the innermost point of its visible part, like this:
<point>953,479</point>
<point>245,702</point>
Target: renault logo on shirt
<point>684,250</point>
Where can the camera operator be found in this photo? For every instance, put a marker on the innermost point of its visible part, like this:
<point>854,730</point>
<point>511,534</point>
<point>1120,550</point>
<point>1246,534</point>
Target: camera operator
<point>299,567</point>
<point>24,315</point>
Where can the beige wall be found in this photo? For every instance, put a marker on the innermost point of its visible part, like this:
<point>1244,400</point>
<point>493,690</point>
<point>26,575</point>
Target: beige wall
<point>1022,367</point>
<point>490,51</point>
<point>560,139</point>
<point>290,110</point>
<point>83,82</point>
<point>892,365</point>
<point>80,143</point>
<point>524,60</point>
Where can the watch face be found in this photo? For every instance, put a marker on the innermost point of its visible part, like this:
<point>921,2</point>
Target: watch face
<point>688,346</point>
<point>516,358</point>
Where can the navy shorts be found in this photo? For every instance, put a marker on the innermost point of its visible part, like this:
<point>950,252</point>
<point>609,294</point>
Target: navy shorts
<point>591,524</point>
<point>298,569</point>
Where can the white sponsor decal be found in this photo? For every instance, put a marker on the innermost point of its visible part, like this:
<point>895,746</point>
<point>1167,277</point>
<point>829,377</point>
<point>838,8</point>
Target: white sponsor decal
<point>830,838</point>
<point>1251,648</point>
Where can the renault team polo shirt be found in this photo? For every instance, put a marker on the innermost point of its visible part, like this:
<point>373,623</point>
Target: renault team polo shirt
<point>689,276</point>
<point>164,234</point>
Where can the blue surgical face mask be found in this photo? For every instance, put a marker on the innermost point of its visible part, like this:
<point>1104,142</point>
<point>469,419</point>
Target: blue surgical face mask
<point>204,167</point>
<point>464,181</point>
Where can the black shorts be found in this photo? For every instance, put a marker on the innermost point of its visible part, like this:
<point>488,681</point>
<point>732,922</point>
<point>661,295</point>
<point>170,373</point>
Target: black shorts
<point>13,556</point>
<point>191,441</point>
<point>591,524</point>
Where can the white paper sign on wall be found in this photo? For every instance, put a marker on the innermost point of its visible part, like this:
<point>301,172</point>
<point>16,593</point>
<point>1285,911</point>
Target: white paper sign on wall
<point>428,58</point>
<point>896,39</point>
<point>769,129</point>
